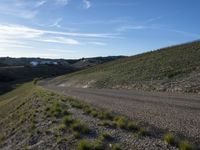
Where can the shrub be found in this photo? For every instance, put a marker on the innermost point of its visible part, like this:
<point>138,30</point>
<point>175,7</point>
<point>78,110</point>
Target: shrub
<point>77,104</point>
<point>116,147</point>
<point>80,127</point>
<point>132,126</point>
<point>87,145</point>
<point>84,145</point>
<point>77,135</point>
<point>94,113</point>
<point>169,138</point>
<point>67,120</point>
<point>185,145</point>
<point>88,110</point>
<point>105,136</point>
<point>98,145</point>
<point>107,123</point>
<point>2,138</point>
<point>142,132</point>
<point>62,127</point>
<point>120,122</point>
<point>106,116</point>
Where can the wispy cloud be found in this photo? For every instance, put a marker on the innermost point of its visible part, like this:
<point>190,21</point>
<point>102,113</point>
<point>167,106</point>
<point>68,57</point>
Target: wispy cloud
<point>61,50</point>
<point>23,37</point>
<point>189,34</point>
<point>9,44</point>
<point>40,3</point>
<point>138,26</point>
<point>27,32</point>
<point>87,4</point>
<point>27,9</point>
<point>113,21</point>
<point>60,40</point>
<point>158,27</point>
<point>57,23</point>
<point>22,13</point>
<point>97,43</point>
<point>130,27</point>
<point>23,9</point>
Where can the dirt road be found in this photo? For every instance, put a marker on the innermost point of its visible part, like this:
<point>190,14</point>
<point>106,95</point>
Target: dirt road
<point>167,112</point>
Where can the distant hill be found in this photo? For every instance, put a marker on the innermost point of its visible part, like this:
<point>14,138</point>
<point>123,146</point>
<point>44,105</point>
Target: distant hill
<point>172,69</point>
<point>15,70</point>
<point>8,61</point>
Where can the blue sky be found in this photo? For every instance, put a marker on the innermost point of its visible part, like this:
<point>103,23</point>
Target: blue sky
<point>88,28</point>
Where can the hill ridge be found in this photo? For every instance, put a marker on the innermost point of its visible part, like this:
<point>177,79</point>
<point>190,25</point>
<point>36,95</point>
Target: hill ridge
<point>171,69</point>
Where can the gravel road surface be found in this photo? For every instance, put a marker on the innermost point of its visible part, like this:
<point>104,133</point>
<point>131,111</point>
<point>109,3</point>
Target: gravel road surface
<point>164,111</point>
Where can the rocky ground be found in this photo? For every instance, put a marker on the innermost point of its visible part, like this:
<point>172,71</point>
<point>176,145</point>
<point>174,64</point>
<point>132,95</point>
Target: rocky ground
<point>49,121</point>
<point>163,112</point>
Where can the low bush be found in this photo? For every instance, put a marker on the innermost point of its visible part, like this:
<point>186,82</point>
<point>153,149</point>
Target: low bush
<point>185,145</point>
<point>84,145</point>
<point>142,132</point>
<point>121,122</point>
<point>80,127</point>
<point>105,136</point>
<point>116,147</point>
<point>132,126</point>
<point>169,138</point>
<point>67,120</point>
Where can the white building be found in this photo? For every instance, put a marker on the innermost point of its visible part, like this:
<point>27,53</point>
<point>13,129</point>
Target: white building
<point>34,63</point>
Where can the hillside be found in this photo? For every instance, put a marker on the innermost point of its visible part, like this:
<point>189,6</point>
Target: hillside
<point>172,69</point>
<point>8,61</point>
<point>19,70</point>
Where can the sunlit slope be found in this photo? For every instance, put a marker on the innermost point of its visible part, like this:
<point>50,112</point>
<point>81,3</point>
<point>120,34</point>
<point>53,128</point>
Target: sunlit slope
<point>170,69</point>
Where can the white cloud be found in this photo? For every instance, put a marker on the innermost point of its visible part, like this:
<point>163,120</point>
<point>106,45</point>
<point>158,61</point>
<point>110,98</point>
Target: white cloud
<point>22,9</point>
<point>12,45</point>
<point>22,13</point>
<point>57,23</point>
<point>130,27</point>
<point>16,36</point>
<point>87,4</point>
<point>15,33</point>
<point>27,32</point>
<point>40,3</point>
<point>97,43</point>
<point>60,40</point>
<point>61,50</point>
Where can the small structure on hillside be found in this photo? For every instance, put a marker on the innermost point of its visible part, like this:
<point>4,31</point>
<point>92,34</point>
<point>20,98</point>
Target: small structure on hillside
<point>43,62</point>
<point>34,63</point>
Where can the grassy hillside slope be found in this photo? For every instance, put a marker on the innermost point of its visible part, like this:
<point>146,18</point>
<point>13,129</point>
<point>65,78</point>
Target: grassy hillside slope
<point>173,69</point>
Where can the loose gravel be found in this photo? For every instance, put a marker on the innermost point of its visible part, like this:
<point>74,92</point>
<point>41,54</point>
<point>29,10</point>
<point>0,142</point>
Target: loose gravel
<point>163,111</point>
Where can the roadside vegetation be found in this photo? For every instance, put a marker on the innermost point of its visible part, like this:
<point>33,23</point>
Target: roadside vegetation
<point>30,114</point>
<point>170,139</point>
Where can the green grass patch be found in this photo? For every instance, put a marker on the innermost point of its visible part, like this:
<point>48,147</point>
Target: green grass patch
<point>169,138</point>
<point>80,127</point>
<point>121,122</point>
<point>84,145</point>
<point>185,145</point>
<point>67,120</point>
<point>116,147</point>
